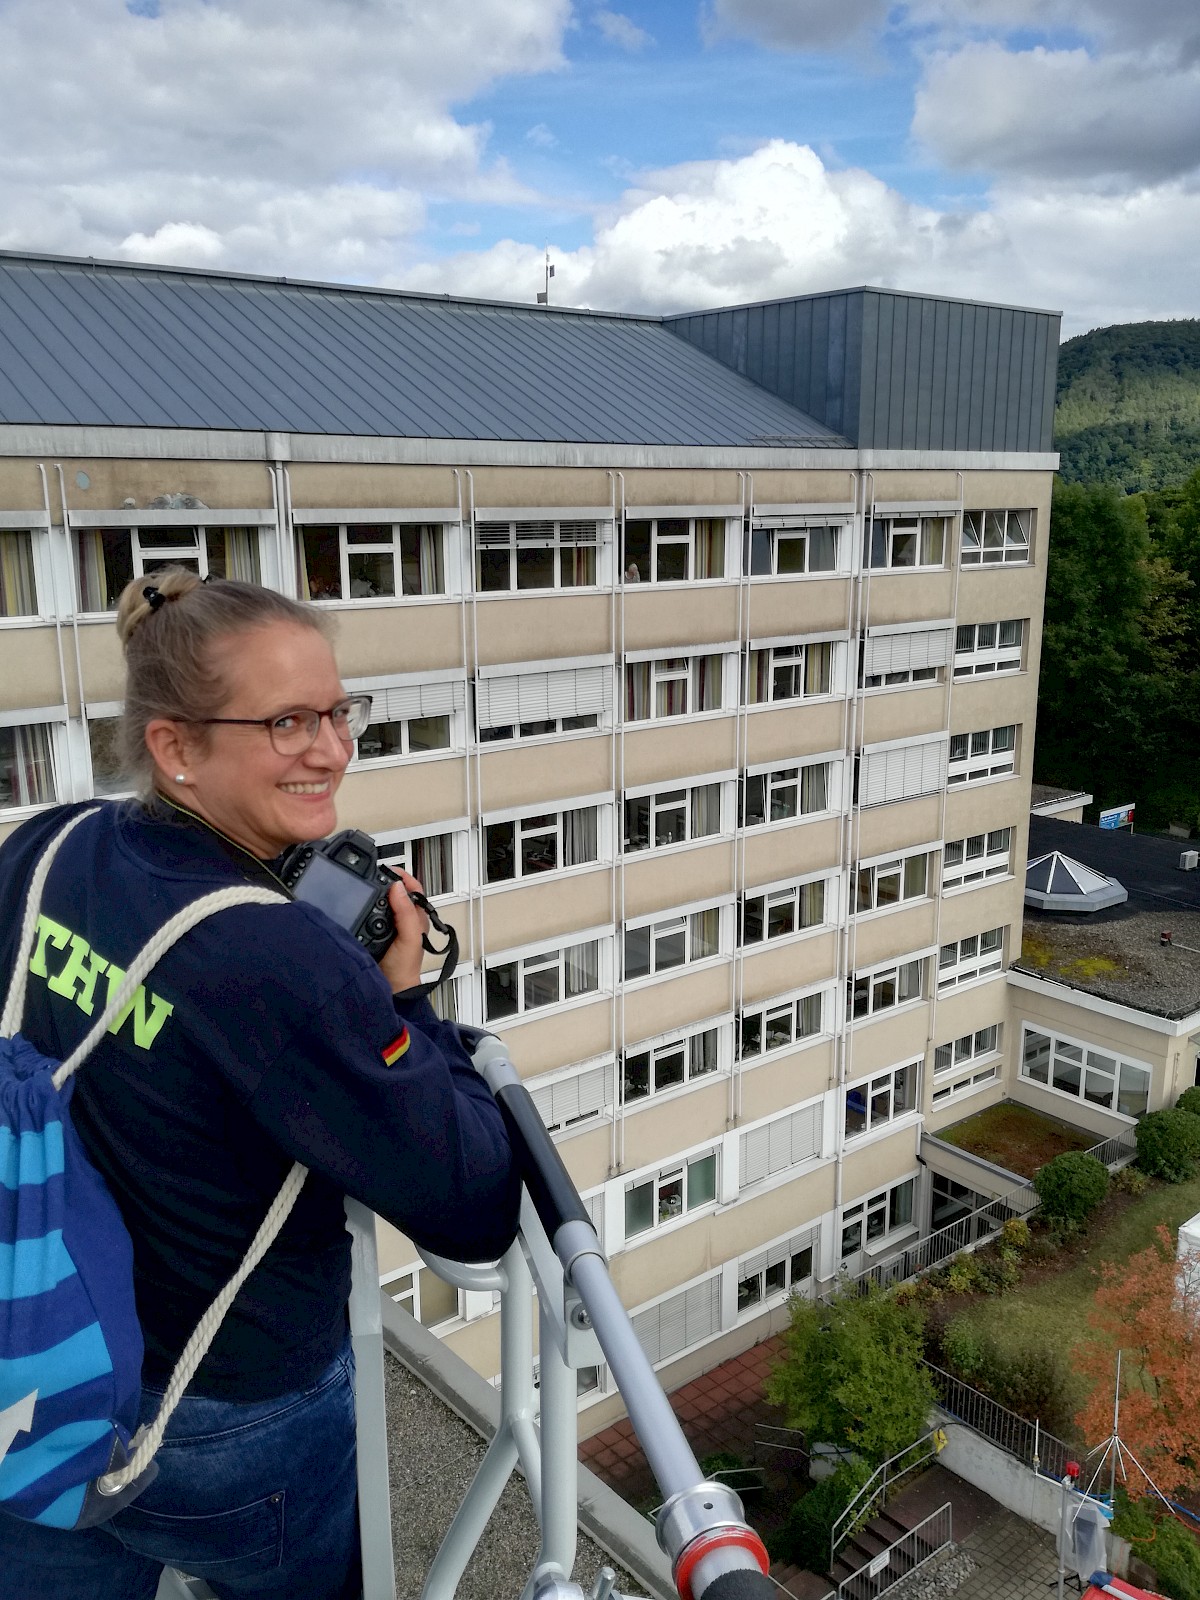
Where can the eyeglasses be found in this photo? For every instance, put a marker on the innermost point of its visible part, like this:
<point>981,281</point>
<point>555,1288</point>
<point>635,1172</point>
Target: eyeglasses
<point>294,732</point>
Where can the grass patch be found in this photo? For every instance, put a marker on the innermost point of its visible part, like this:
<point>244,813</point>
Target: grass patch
<point>1085,967</point>
<point>1035,951</point>
<point>1014,1137</point>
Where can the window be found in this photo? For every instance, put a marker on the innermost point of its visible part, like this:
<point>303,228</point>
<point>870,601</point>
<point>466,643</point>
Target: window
<point>906,542</point>
<point>410,719</point>
<point>963,960</point>
<point>786,792</point>
<point>412,737</point>
<point>429,858</point>
<point>577,1097</point>
<point>18,588</point>
<point>871,992</point>
<point>990,753</point>
<point>670,1193</point>
<point>780,1024</point>
<point>27,776</point>
<point>1099,1076</point>
<point>893,660</point>
<point>672,816</point>
<point>959,1053</point>
<point>988,647</point>
<point>980,856</point>
<point>673,549</point>
<point>672,686</point>
<point>110,557</point>
<point>513,987</point>
<point>526,846</point>
<point>884,884</point>
<point>776,913</point>
<point>872,1219</point>
<point>657,947</point>
<point>684,1319</point>
<point>783,1142</point>
<point>653,1069</point>
<point>901,771</point>
<point>108,776</point>
<point>994,537</point>
<point>975,1080</point>
<point>789,552</point>
<point>782,1268</point>
<point>423,1295</point>
<point>535,555</point>
<point>527,705</point>
<point>878,1100</point>
<point>371,560</point>
<point>789,672</point>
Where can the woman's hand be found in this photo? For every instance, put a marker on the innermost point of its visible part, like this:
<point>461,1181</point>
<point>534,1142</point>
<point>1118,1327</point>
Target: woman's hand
<point>401,965</point>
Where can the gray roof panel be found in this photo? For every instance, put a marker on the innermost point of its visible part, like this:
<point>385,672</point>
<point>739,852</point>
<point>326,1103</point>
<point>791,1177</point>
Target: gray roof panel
<point>104,344</point>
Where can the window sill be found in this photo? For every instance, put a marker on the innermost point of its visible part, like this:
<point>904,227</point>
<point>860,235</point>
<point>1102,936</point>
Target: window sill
<point>981,883</point>
<point>379,763</point>
<point>672,1225</point>
<point>988,677</point>
<point>507,885</point>
<point>748,1063</point>
<point>678,585</point>
<point>972,982</point>
<point>20,813</point>
<point>878,912</point>
<point>554,1008</point>
<point>657,851</point>
<point>27,620</point>
<point>789,822</point>
<point>482,748</point>
<point>376,602</point>
<point>794,577</point>
<point>777,1180</point>
<point>881,689</point>
<point>793,701</point>
<point>879,572</point>
<point>649,979</point>
<point>890,1241</point>
<point>888,1012</point>
<point>783,940</point>
<point>994,566</point>
<point>861,1141</point>
<point>682,718</point>
<point>675,1092</point>
<point>977,783</point>
<point>965,1069</point>
<point>542,594</point>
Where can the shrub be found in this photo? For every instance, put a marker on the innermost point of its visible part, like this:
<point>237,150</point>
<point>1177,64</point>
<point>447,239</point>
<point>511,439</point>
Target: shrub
<point>1073,1184</point>
<point>1168,1144</point>
<point>1015,1234</point>
<point>720,1461</point>
<point>1032,1382</point>
<point>1175,1557</point>
<point>1189,1100</point>
<point>1131,1181</point>
<point>806,1536</point>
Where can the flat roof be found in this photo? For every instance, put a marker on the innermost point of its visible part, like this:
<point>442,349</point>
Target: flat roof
<point>1117,953</point>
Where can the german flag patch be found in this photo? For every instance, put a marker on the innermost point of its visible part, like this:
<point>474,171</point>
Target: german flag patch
<point>392,1052</point>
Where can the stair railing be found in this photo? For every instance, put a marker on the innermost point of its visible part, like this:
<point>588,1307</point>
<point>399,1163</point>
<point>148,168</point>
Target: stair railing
<point>878,1486</point>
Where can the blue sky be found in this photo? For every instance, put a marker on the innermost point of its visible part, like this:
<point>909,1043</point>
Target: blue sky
<point>671,153</point>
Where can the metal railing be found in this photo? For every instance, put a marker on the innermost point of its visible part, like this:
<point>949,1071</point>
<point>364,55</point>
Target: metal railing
<point>901,1558</point>
<point>1028,1441</point>
<point>1117,1151</point>
<point>976,1228</point>
<point>883,1482</point>
<point>783,1441</point>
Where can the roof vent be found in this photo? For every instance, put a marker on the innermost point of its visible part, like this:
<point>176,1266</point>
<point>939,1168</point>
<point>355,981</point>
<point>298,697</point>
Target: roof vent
<point>1189,860</point>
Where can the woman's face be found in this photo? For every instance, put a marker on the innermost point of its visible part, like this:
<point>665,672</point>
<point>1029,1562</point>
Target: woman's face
<point>235,779</point>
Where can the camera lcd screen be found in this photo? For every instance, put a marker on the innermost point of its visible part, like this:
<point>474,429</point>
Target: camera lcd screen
<point>340,894</point>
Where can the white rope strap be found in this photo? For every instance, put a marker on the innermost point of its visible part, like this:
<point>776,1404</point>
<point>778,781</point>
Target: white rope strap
<point>14,1006</point>
<point>145,960</point>
<point>147,1440</point>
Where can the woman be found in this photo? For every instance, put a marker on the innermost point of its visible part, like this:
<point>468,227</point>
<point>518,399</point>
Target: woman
<point>266,1036</point>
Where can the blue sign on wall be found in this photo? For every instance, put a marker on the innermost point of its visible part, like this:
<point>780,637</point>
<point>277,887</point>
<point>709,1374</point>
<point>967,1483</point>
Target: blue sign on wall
<point>1117,817</point>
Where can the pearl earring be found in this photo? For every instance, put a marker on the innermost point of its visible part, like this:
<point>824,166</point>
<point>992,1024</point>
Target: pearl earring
<point>179,778</point>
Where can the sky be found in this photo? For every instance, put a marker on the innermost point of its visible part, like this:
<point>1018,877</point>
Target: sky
<point>669,154</point>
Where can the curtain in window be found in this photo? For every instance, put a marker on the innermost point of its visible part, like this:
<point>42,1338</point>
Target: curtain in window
<point>706,810</point>
<point>814,788</point>
<point>818,668</point>
<point>241,554</point>
<point>637,691</point>
<point>758,679</point>
<point>582,963</point>
<point>93,580</point>
<point>705,933</point>
<point>706,675</point>
<point>812,903</point>
<point>432,860</point>
<point>710,547</point>
<point>429,557</point>
<point>822,549</point>
<point>670,693</point>
<point>579,836</point>
<point>18,596</point>
<point>27,766</point>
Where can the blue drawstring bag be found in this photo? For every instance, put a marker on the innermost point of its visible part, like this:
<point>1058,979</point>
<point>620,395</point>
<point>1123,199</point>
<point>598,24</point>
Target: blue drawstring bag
<point>70,1341</point>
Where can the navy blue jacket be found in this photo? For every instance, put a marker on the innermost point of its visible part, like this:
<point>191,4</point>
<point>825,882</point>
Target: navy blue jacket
<point>266,1036</point>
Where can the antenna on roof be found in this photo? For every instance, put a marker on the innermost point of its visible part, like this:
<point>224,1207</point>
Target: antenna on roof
<point>543,298</point>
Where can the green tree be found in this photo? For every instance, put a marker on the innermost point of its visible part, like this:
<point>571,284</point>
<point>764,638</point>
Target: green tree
<point>852,1374</point>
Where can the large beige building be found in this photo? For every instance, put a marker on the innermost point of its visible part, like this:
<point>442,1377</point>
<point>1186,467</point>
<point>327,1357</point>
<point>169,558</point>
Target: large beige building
<point>704,654</point>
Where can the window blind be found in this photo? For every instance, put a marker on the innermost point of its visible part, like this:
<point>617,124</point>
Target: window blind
<point>539,696</point>
<point>685,1319</point>
<point>410,700</point>
<point>583,1094</point>
<point>907,652</point>
<point>903,772</point>
<point>774,1254</point>
<point>780,1144</point>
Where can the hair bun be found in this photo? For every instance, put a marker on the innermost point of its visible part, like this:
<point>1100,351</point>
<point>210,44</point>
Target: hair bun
<point>149,593</point>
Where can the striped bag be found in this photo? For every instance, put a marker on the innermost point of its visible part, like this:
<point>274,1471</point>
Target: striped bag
<point>70,1344</point>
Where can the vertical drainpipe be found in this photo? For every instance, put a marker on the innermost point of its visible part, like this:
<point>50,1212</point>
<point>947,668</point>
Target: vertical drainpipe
<point>473,749</point>
<point>741,754</point>
<point>617,777</point>
<point>55,598</point>
<point>66,526</point>
<point>474,830</point>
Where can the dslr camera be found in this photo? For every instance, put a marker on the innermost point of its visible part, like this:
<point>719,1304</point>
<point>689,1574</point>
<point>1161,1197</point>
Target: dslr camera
<point>344,877</point>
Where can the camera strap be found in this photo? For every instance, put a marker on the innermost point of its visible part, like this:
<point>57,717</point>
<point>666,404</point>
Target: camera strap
<point>449,950</point>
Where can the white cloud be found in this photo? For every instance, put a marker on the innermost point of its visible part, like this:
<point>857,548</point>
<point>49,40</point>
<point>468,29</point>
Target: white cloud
<point>778,222</point>
<point>1059,113</point>
<point>263,126</point>
<point>621,30</point>
<point>794,24</point>
<point>541,136</point>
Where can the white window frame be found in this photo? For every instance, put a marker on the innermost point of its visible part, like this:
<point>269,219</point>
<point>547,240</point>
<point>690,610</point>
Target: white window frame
<point>78,737</point>
<point>994,860</point>
<point>971,1084</point>
<point>586,1089</point>
<point>880,1203</point>
<point>997,538</point>
<point>897,972</point>
<point>676,667</point>
<point>675,540</point>
<point>408,1294</point>
<point>660,1178</point>
<point>663,927</point>
<point>143,547</point>
<point>396,847</point>
<point>968,1050</point>
<point>789,894</point>
<point>557,534</point>
<point>791,656</point>
<point>891,526</point>
<point>542,686</point>
<point>983,754</point>
<point>445,686</point>
<point>40,559</point>
<point>390,541</point>
<point>974,956</point>
<point>1060,1044</point>
<point>773,1142</point>
<point>54,720</point>
<point>766,539</point>
<point>778,1270</point>
<point>779,780</point>
<point>878,1095</point>
<point>656,793</point>
<point>666,1046</point>
<point>774,1008</point>
<point>530,959</point>
<point>894,864</point>
<point>975,659</point>
<point>521,822</point>
<point>698,1301</point>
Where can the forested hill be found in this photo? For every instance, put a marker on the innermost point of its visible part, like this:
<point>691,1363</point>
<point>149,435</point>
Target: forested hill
<point>1128,409</point>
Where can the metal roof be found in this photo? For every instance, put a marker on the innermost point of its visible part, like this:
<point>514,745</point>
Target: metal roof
<point>115,345</point>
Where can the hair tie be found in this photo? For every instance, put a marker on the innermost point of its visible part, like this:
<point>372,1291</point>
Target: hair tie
<point>154,597</point>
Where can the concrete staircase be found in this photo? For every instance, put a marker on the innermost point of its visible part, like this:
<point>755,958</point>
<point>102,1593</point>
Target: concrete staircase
<point>853,1565</point>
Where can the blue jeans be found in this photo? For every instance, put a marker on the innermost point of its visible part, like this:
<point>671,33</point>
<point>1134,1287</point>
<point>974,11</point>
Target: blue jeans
<point>258,1500</point>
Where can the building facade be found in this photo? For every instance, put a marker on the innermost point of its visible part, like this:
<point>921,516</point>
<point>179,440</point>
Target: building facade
<point>706,720</point>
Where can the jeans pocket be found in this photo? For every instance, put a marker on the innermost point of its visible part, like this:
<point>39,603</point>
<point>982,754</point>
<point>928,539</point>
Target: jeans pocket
<point>221,1544</point>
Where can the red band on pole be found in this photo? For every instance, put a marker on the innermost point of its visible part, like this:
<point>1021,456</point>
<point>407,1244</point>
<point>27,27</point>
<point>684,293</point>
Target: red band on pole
<point>717,1539</point>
